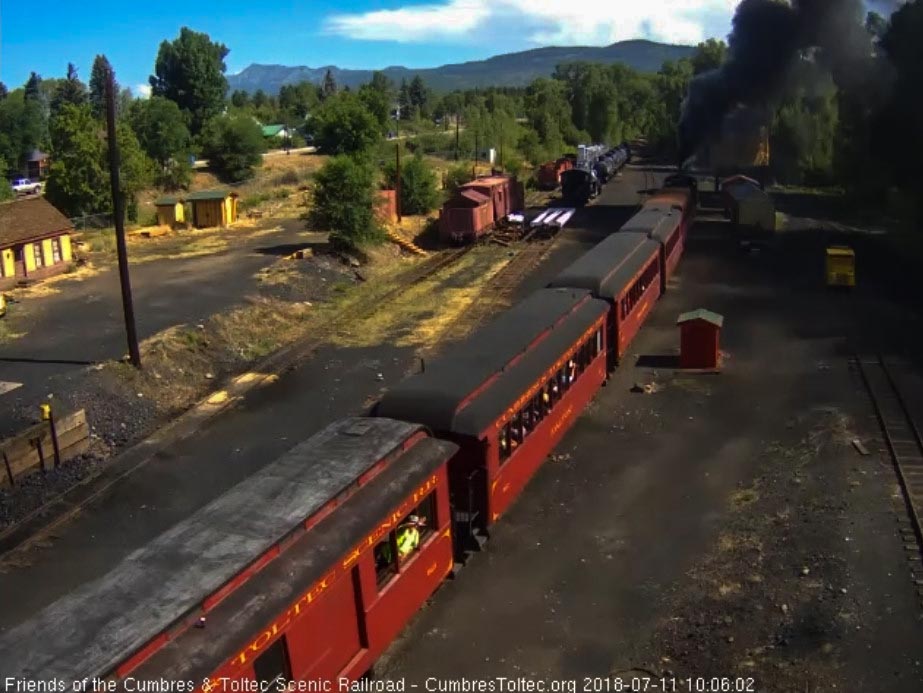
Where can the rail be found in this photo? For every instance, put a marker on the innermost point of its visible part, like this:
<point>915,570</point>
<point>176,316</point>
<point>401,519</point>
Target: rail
<point>901,435</point>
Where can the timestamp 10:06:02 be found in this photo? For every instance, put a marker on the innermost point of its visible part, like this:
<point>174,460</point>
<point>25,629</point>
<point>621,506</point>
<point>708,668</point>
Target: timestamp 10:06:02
<point>672,684</point>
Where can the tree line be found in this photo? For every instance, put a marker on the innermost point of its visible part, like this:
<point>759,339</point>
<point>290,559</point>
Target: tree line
<point>820,132</point>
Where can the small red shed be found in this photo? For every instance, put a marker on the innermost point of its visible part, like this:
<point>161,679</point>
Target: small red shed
<point>699,331</point>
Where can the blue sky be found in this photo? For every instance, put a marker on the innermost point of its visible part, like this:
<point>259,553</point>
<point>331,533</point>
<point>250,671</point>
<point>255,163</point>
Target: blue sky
<point>415,33</point>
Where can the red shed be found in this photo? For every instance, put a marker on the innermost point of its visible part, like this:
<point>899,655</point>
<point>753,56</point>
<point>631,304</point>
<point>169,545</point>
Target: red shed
<point>699,332</point>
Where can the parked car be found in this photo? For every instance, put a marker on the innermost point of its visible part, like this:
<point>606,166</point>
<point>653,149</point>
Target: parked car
<point>24,186</point>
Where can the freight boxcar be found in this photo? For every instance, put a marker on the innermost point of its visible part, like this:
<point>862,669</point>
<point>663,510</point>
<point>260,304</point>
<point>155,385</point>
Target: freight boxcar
<point>506,395</point>
<point>292,574</point>
<point>478,206</point>
<point>465,217</point>
<point>624,270</point>
<point>549,174</point>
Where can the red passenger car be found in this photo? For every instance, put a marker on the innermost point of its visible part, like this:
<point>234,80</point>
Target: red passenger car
<point>665,226</point>
<point>292,574</point>
<point>625,271</point>
<point>506,395</point>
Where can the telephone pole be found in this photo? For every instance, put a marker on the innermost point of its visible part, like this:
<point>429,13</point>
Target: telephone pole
<point>118,210</point>
<point>397,183</point>
<point>456,136</point>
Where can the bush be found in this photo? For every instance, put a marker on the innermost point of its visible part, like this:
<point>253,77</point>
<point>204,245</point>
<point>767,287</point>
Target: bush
<point>419,191</point>
<point>456,177</point>
<point>343,202</point>
<point>233,146</point>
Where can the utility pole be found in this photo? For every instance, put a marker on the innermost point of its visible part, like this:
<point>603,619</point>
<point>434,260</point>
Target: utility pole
<point>118,210</point>
<point>456,136</point>
<point>501,146</point>
<point>474,169</point>
<point>397,184</point>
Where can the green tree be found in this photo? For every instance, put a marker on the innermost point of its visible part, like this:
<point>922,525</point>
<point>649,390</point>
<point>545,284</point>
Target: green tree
<point>419,191</point>
<point>708,56</point>
<point>164,137</point>
<point>233,146</point>
<point>404,101</point>
<point>22,128</point>
<point>329,87</point>
<point>136,170</point>
<point>260,98</point>
<point>377,103</point>
<point>344,202</point>
<point>190,71</point>
<point>298,100</point>
<point>418,95</point>
<point>240,98</point>
<point>381,83</point>
<point>77,183</point>
<point>4,92</point>
<point>343,125</point>
<point>900,126</point>
<point>98,77</point>
<point>69,90</point>
<point>6,192</point>
<point>456,177</point>
<point>33,87</point>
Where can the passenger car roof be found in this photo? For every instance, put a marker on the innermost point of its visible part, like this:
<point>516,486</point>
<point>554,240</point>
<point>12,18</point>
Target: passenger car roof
<point>89,631</point>
<point>609,267</point>
<point>478,379</point>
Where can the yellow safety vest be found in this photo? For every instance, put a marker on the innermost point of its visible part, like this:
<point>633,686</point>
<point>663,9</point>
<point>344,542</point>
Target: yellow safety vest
<point>408,539</point>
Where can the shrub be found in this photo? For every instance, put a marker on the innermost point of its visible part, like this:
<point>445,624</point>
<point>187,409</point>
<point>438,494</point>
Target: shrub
<point>456,177</point>
<point>233,146</point>
<point>419,191</point>
<point>343,202</point>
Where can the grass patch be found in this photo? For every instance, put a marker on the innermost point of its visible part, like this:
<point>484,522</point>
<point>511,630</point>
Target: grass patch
<point>98,241</point>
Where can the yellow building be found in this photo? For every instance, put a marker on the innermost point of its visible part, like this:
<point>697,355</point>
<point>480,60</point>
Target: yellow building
<point>35,241</point>
<point>213,208</point>
<point>171,211</point>
<point>841,266</point>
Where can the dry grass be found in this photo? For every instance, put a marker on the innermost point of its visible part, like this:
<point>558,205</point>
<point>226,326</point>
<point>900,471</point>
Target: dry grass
<point>430,308</point>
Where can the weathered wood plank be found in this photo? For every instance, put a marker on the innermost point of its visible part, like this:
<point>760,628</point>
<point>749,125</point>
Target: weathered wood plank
<point>33,449</point>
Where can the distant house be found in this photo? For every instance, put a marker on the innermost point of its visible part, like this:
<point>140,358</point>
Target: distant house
<point>281,132</point>
<point>37,165</point>
<point>213,208</point>
<point>35,241</point>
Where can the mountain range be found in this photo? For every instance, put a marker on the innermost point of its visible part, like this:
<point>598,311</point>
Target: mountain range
<point>507,70</point>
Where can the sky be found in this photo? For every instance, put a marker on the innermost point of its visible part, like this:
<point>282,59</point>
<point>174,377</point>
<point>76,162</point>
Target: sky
<point>351,34</point>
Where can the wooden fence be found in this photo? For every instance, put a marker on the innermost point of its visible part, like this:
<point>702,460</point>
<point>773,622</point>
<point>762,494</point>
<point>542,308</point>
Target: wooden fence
<point>34,449</point>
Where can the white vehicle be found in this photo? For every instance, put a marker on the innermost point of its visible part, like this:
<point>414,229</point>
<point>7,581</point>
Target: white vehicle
<point>24,186</point>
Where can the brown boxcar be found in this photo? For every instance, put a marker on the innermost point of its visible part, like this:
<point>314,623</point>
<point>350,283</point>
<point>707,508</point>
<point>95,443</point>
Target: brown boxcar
<point>507,395</point>
<point>287,572</point>
<point>465,217</point>
<point>624,270</point>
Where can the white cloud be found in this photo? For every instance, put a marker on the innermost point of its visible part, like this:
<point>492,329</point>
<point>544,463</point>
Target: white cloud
<point>540,22</point>
<point>143,91</point>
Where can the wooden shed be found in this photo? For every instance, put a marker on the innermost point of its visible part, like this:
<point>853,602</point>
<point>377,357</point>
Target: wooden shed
<point>750,207</point>
<point>171,211</point>
<point>213,208</point>
<point>699,338</point>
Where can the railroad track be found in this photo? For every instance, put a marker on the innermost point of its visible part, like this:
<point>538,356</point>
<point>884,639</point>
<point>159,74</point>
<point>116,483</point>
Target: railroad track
<point>904,445</point>
<point>497,293</point>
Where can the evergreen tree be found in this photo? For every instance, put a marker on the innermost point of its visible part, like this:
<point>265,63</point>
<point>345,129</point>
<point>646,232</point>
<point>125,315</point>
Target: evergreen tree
<point>69,90</point>
<point>329,87</point>
<point>33,87</point>
<point>98,78</point>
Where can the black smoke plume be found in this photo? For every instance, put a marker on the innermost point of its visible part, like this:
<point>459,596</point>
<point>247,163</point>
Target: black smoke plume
<point>767,38</point>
